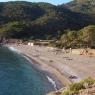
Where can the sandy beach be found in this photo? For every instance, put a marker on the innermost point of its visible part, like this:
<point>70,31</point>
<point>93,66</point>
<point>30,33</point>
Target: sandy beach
<point>61,66</point>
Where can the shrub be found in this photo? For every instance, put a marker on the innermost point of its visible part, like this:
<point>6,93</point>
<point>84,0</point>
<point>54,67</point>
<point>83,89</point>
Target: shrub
<point>69,92</point>
<point>66,93</point>
<point>89,81</point>
<point>76,86</point>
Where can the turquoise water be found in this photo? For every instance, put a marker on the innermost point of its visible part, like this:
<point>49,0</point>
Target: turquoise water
<point>19,77</point>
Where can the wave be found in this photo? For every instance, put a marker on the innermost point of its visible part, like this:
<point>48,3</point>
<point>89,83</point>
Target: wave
<point>49,79</point>
<point>52,82</point>
<point>13,49</point>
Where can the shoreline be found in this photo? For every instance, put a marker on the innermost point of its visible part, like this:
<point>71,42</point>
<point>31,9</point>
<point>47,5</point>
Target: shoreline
<point>50,71</point>
<point>47,74</point>
<point>60,69</point>
<point>56,76</point>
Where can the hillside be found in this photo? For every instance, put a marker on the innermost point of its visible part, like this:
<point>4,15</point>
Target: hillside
<point>83,6</point>
<point>38,20</point>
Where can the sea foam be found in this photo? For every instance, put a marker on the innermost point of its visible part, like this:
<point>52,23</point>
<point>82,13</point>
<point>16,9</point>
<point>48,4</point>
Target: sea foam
<point>13,49</point>
<point>52,82</point>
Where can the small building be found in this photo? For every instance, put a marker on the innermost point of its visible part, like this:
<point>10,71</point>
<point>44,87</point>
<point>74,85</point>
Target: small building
<point>30,44</point>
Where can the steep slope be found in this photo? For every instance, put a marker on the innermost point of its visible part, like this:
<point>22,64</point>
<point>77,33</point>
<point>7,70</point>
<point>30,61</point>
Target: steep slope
<point>11,11</point>
<point>84,6</point>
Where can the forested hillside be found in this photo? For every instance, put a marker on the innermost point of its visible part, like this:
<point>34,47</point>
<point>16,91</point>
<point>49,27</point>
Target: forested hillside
<point>39,20</point>
<point>83,6</point>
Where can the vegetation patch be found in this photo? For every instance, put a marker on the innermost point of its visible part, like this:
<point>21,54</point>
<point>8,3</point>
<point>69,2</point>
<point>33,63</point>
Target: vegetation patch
<point>75,88</point>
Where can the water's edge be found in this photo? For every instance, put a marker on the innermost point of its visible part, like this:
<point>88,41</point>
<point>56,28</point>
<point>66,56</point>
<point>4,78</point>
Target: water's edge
<point>51,78</point>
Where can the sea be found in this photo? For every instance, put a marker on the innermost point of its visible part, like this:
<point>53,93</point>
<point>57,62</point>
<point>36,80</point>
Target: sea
<point>19,77</point>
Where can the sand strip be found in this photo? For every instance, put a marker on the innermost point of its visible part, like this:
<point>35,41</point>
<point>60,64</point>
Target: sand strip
<point>44,65</point>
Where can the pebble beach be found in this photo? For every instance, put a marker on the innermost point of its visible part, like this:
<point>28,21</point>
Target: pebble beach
<point>65,67</point>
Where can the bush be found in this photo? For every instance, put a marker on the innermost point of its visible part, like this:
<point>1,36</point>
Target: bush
<point>89,81</point>
<point>65,93</point>
<point>69,92</point>
<point>76,86</point>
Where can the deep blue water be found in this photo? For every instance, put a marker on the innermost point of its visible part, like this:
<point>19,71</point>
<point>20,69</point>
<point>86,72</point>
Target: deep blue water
<point>19,77</point>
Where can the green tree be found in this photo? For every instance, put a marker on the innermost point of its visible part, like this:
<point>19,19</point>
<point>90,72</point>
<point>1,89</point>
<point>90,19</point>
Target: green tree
<point>88,35</point>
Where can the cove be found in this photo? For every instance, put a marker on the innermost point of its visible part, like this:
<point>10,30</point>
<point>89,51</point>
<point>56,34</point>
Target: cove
<point>19,77</point>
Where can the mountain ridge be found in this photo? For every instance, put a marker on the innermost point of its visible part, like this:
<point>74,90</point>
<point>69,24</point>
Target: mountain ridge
<point>41,20</point>
<point>82,6</point>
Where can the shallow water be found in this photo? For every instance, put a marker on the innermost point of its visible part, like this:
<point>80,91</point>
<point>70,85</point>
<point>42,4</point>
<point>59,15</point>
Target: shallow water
<point>19,77</point>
